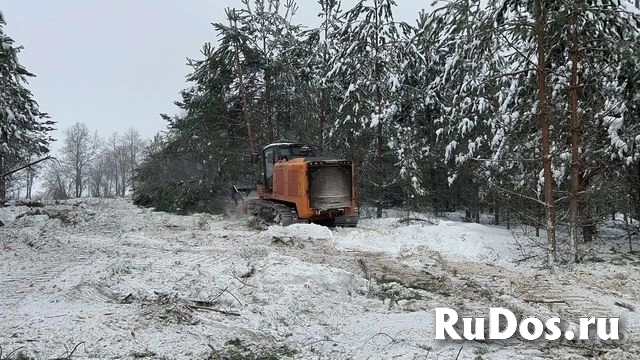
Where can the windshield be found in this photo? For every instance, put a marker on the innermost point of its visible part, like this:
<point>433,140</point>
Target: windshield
<point>294,151</point>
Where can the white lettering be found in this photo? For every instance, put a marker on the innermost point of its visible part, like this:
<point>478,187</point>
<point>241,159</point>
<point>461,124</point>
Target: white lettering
<point>584,327</point>
<point>613,329</point>
<point>443,325</point>
<point>494,324</point>
<point>538,328</point>
<point>469,334</point>
<point>553,330</point>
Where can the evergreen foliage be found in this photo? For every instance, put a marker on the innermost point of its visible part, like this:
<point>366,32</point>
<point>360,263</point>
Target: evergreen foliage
<point>23,127</point>
<point>454,112</point>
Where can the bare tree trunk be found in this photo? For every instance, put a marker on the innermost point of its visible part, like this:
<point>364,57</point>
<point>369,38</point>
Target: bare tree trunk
<point>132,159</point>
<point>477,208</point>
<point>637,203</point>
<point>324,112</point>
<point>587,221</point>
<point>30,178</point>
<point>324,94</point>
<point>123,183</point>
<point>3,183</point>
<point>634,184</point>
<point>78,182</point>
<point>133,179</point>
<point>380,165</point>
<point>574,198</point>
<point>496,209</point>
<point>268,115</point>
<point>245,102</point>
<point>379,130</point>
<point>267,100</point>
<point>588,228</point>
<point>544,123</point>
<point>117,179</point>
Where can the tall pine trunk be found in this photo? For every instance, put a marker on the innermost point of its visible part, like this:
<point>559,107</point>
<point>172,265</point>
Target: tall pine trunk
<point>3,183</point>
<point>379,130</point>
<point>496,209</point>
<point>324,104</point>
<point>586,213</point>
<point>544,124</point>
<point>329,7</point>
<point>268,105</point>
<point>324,93</point>
<point>243,94</point>
<point>634,183</point>
<point>574,198</point>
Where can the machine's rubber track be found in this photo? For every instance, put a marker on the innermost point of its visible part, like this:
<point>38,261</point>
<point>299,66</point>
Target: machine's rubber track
<point>272,212</point>
<point>346,221</point>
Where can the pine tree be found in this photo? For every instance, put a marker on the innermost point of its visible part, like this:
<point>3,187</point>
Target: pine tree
<point>234,51</point>
<point>23,128</point>
<point>367,67</point>
<point>315,52</point>
<point>489,100</point>
<point>260,41</point>
<point>193,166</point>
<point>520,74</point>
<point>412,134</point>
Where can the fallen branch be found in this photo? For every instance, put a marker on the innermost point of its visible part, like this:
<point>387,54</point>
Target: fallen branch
<point>32,213</point>
<point>544,301</point>
<point>13,352</point>
<point>215,298</point>
<point>409,219</point>
<point>391,338</point>
<point>70,354</point>
<point>196,307</point>
<point>625,305</point>
<point>29,203</point>
<point>54,316</point>
<point>525,259</point>
<point>243,281</point>
<point>459,351</point>
<point>230,293</point>
<point>26,166</point>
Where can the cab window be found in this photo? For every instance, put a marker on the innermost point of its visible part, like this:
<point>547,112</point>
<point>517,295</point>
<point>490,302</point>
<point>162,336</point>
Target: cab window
<point>269,159</point>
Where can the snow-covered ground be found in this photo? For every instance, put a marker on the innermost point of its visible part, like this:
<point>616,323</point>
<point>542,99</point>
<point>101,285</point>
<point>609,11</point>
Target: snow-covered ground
<point>125,282</point>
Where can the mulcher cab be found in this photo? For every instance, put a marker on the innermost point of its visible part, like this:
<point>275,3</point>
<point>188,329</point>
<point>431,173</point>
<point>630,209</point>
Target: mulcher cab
<point>298,187</point>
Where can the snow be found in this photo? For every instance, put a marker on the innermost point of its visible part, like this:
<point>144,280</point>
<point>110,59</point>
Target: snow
<point>468,241</point>
<point>127,281</point>
<point>450,149</point>
<point>301,231</point>
<point>627,6</point>
<point>10,116</point>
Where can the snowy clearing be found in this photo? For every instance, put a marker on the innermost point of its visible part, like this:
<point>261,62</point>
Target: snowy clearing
<point>128,282</point>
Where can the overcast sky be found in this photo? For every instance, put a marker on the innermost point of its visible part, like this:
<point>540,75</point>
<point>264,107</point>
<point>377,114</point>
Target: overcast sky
<point>115,64</point>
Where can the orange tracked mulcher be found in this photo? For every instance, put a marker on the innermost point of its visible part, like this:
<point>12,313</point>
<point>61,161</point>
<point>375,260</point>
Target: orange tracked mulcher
<point>297,186</point>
